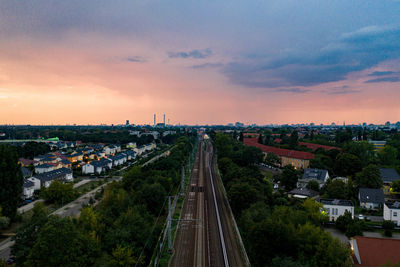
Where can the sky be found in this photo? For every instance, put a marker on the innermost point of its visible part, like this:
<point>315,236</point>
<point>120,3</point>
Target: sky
<point>199,62</point>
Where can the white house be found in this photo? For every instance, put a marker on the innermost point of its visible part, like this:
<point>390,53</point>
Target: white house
<point>36,182</point>
<point>28,189</point>
<point>140,150</point>
<point>44,168</point>
<point>62,174</point>
<point>131,145</point>
<point>130,155</point>
<point>337,207</point>
<point>391,212</point>
<point>87,169</point>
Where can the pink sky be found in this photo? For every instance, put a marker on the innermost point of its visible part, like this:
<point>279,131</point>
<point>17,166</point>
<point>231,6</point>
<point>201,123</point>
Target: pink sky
<point>52,74</point>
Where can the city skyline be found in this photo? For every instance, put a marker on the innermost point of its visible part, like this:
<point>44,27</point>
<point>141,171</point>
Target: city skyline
<point>199,63</point>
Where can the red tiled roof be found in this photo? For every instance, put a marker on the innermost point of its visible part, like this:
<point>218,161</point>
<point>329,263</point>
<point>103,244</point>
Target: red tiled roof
<point>377,251</point>
<point>278,151</point>
<point>26,161</point>
<point>316,146</point>
<point>251,134</point>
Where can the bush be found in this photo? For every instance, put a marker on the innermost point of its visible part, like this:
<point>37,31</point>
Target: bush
<point>388,226</point>
<point>4,222</point>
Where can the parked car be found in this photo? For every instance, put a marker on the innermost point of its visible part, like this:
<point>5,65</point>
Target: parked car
<point>360,217</point>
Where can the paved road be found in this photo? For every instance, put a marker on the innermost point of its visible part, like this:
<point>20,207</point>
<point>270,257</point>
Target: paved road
<point>206,234</point>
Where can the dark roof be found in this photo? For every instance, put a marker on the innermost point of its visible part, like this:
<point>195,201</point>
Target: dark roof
<point>26,161</point>
<point>55,174</point>
<point>371,195</point>
<point>316,174</point>
<point>26,172</point>
<point>304,192</point>
<point>337,202</point>
<point>278,151</point>
<point>389,175</point>
<point>377,251</point>
<point>28,183</point>
<point>65,161</point>
<point>45,165</point>
<point>393,205</point>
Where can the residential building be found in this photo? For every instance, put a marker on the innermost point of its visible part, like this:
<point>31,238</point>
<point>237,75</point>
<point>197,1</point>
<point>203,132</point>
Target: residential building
<point>343,179</point>
<point>391,212</point>
<point>371,251</point>
<point>337,207</point>
<point>140,150</point>
<point>298,159</point>
<point>303,193</point>
<point>26,162</point>
<point>371,198</point>
<point>36,182</point>
<point>378,145</point>
<point>318,175</point>
<point>28,189</point>
<point>388,177</point>
<point>130,154</point>
<point>44,168</point>
<point>131,145</point>
<point>26,173</point>
<point>316,146</point>
<point>75,157</point>
<point>88,168</point>
<point>62,174</point>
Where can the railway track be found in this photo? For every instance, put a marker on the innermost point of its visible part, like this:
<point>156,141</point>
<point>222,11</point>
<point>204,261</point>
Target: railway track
<point>206,235</point>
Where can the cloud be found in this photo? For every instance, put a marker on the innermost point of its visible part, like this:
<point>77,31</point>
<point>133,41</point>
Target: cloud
<point>292,90</point>
<point>382,80</point>
<point>342,90</point>
<point>137,59</point>
<point>191,54</point>
<point>354,51</point>
<point>207,65</point>
<point>382,73</point>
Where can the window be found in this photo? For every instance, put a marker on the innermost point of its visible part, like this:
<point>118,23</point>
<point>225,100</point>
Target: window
<point>394,213</point>
<point>327,210</point>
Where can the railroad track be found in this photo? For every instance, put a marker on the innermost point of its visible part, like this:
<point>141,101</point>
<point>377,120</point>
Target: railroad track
<point>206,235</point>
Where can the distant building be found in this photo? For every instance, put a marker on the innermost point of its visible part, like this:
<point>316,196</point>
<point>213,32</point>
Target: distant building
<point>62,174</point>
<point>391,212</point>
<point>318,175</point>
<point>26,173</point>
<point>337,207</point>
<point>371,198</point>
<point>298,159</point>
<point>28,189</point>
<point>43,168</point>
<point>378,145</point>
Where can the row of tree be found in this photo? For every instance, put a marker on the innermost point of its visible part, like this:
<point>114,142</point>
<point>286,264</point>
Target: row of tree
<point>276,230</point>
<point>121,231</point>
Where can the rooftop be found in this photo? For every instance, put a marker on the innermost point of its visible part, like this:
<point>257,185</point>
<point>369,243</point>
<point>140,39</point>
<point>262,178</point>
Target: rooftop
<point>389,175</point>
<point>315,174</point>
<point>371,195</point>
<point>337,202</point>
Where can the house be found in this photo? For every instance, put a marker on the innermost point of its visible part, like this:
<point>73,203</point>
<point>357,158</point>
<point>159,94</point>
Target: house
<point>131,145</point>
<point>66,163</point>
<point>140,150</point>
<point>44,168</point>
<point>26,162</point>
<point>298,159</point>
<point>388,177</point>
<point>118,159</point>
<point>343,179</point>
<point>75,157</point>
<point>303,193</point>
<point>337,207</point>
<point>391,212</point>
<point>372,251</point>
<point>106,164</point>
<point>26,172</point>
<point>88,168</point>
<point>371,198</point>
<point>318,175</point>
<point>47,178</point>
<point>36,182</point>
<point>378,145</point>
<point>28,188</point>
<point>316,146</point>
<point>130,155</point>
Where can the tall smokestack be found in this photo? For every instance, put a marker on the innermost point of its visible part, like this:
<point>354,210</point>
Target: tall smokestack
<point>154,120</point>
<point>164,119</point>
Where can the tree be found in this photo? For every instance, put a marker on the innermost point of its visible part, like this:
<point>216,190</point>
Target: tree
<point>336,189</point>
<point>11,181</point>
<point>294,139</point>
<point>223,145</point>
<point>4,221</point>
<point>289,177</point>
<point>369,177</point>
<point>362,149</point>
<point>241,137</point>
<point>122,256</point>
<point>314,211</point>
<point>241,196</point>
<point>60,243</point>
<point>388,226</point>
<point>355,228</point>
<point>260,139</point>
<point>313,185</point>
<point>388,155</point>
<point>347,164</point>
<point>59,193</point>
<point>272,159</point>
<point>343,221</point>
<point>396,186</point>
